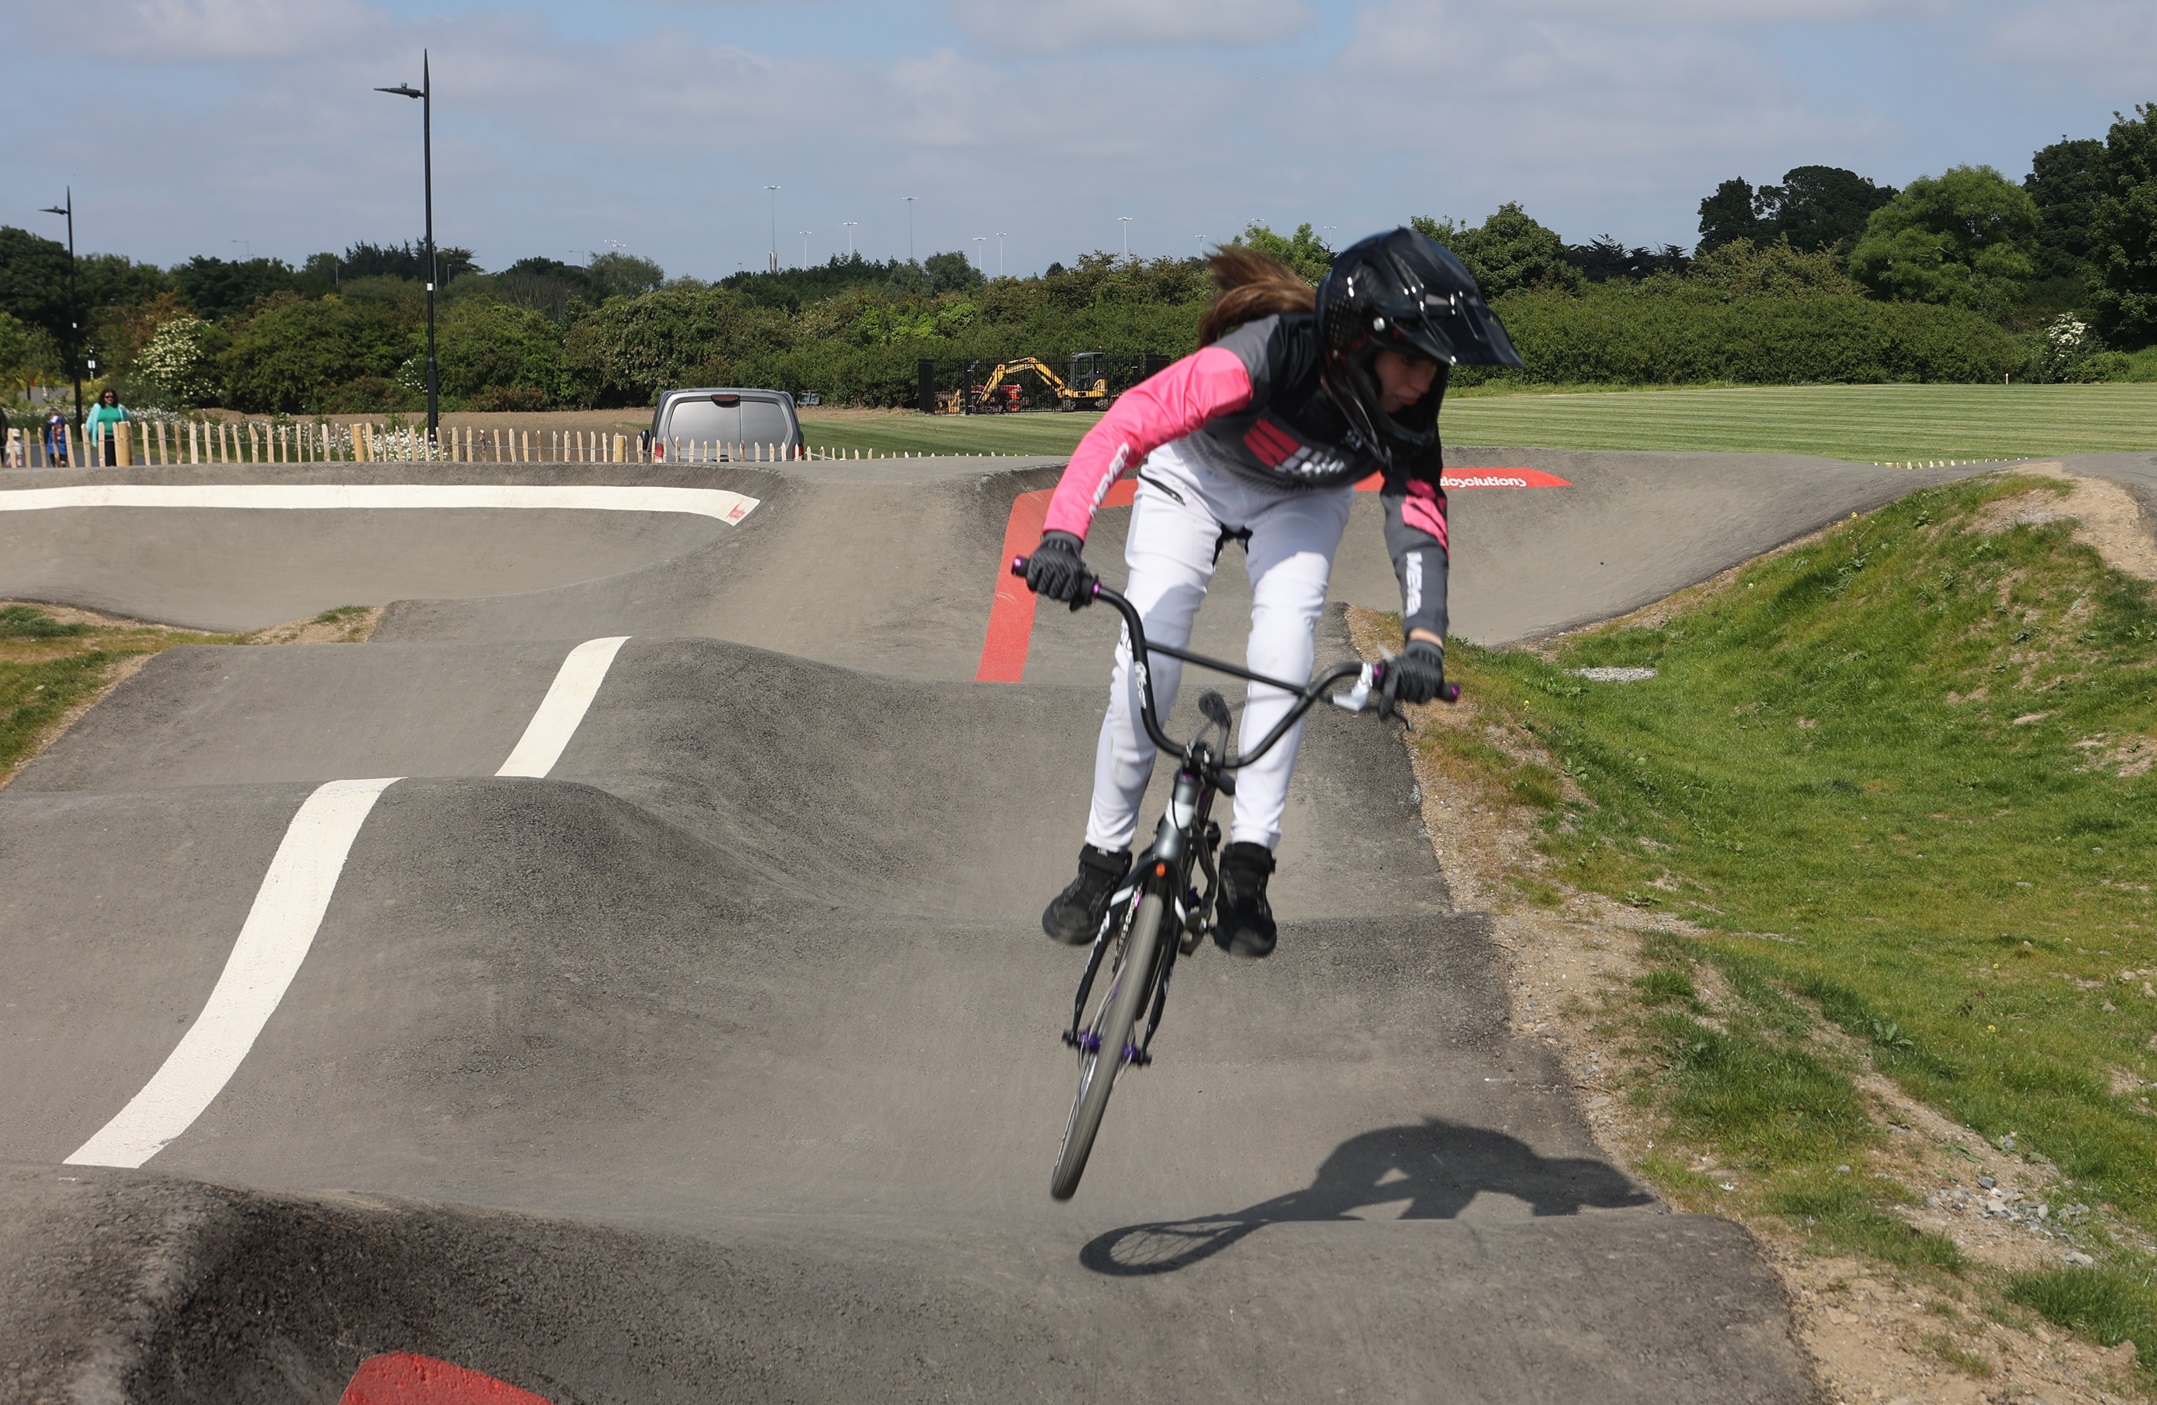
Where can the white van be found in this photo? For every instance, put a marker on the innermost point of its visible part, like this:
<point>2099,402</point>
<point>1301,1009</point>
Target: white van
<point>725,426</point>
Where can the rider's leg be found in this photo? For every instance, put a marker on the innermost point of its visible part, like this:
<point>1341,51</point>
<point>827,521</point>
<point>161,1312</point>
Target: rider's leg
<point>1290,558</point>
<point>1170,550</point>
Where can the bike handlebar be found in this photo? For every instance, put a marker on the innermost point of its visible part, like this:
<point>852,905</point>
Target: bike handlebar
<point>1369,677</point>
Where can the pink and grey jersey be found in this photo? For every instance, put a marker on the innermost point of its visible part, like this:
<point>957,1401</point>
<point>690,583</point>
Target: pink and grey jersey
<point>1251,405</point>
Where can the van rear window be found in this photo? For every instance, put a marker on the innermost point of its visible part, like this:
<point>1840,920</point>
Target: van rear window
<point>763,422</point>
<point>705,422</point>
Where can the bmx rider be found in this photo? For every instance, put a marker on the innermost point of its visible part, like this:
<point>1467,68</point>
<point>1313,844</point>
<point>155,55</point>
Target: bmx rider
<point>1260,436</point>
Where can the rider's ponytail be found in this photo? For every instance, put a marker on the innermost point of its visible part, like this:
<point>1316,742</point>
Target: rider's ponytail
<point>1247,286</point>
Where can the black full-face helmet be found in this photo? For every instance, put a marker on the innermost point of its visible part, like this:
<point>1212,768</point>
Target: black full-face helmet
<point>1402,292</point>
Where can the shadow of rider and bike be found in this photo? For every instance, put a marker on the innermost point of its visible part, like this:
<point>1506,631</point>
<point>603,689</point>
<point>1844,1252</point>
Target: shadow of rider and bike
<point>1436,1166</point>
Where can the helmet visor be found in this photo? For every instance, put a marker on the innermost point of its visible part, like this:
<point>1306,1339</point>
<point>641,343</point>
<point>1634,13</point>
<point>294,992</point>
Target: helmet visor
<point>1450,322</point>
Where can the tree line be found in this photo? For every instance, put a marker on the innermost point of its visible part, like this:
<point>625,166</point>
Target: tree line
<point>1826,276</point>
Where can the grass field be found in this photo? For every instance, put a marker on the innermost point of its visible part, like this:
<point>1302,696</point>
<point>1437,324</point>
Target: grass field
<point>1867,423</point>
<point>907,432</point>
<point>1898,780</point>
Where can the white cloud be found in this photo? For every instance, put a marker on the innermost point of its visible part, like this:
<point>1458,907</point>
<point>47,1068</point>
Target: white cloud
<point>181,31</point>
<point>1736,14</point>
<point>2081,40</point>
<point>1103,24</point>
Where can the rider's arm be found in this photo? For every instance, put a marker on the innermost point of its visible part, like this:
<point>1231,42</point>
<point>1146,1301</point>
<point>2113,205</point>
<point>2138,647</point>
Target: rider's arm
<point>1212,381</point>
<point>1416,538</point>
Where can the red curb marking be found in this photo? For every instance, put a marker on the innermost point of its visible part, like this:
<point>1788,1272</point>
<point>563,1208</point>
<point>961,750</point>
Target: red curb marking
<point>401,1378</point>
<point>1011,616</point>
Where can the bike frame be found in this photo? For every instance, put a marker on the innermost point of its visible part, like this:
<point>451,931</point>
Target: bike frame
<point>1187,836</point>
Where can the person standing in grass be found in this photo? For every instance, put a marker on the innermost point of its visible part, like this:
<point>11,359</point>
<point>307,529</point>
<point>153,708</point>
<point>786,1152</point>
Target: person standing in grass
<point>98,428</point>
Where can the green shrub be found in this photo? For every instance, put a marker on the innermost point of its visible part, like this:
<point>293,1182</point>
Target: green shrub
<point>1664,331</point>
<point>292,353</point>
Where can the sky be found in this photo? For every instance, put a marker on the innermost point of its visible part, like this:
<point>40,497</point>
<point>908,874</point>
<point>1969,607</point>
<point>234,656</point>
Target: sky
<point>1025,132</point>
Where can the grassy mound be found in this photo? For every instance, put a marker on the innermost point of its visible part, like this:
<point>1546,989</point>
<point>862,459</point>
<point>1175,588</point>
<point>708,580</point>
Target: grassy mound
<point>1900,777</point>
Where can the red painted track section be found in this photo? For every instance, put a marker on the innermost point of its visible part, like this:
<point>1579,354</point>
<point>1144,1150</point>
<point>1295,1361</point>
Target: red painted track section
<point>1011,617</point>
<point>401,1378</point>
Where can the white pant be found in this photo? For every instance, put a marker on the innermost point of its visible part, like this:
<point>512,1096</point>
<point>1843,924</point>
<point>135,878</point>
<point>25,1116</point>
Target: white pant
<point>1170,550</point>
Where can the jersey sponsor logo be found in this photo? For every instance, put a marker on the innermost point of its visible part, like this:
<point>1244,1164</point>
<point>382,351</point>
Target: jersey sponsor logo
<point>1273,446</point>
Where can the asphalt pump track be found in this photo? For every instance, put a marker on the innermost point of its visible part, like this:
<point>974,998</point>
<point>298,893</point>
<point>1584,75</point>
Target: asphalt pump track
<point>621,977</point>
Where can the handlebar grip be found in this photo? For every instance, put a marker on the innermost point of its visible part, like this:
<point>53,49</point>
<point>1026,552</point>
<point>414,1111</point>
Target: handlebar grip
<point>1018,567</point>
<point>1451,693</point>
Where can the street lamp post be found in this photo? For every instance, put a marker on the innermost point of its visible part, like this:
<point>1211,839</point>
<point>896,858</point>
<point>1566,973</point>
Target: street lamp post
<point>425,94</point>
<point>850,238</point>
<point>74,309</point>
<point>999,253</point>
<point>774,227</point>
<point>1125,221</point>
<point>909,229</point>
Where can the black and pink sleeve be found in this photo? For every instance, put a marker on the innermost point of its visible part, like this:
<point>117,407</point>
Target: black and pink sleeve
<point>1417,538</point>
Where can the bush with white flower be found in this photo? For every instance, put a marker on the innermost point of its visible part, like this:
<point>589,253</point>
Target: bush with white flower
<point>177,361</point>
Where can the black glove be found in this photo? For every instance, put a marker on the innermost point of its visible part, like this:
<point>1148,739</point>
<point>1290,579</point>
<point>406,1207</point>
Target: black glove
<point>1056,570</point>
<point>1415,675</point>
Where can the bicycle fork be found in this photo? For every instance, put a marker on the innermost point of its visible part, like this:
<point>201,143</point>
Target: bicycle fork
<point>1182,916</point>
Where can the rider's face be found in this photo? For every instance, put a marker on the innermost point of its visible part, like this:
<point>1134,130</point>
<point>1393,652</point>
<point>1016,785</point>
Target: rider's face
<point>1402,380</point>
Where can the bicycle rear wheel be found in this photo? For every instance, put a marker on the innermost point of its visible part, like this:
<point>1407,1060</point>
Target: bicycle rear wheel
<point>1108,1038</point>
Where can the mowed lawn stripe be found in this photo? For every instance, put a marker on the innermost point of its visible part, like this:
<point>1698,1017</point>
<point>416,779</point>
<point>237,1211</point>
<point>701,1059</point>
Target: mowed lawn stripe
<point>1868,423</point>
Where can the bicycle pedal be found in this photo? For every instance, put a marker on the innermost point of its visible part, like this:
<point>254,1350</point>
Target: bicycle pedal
<point>1188,942</point>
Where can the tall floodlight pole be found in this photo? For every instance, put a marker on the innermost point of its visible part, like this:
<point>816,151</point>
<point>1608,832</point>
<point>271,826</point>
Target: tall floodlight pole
<point>981,256</point>
<point>1125,221</point>
<point>1201,246</point>
<point>425,94</point>
<point>74,309</point>
<point>850,237</point>
<point>909,229</point>
<point>999,253</point>
<point>805,246</point>
<point>774,227</point>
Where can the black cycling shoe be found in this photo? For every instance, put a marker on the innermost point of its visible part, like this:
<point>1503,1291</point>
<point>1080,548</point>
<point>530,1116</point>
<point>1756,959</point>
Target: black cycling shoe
<point>1243,919</point>
<point>1075,917</point>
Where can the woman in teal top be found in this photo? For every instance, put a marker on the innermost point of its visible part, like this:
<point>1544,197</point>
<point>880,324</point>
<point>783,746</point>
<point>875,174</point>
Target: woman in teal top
<point>107,411</point>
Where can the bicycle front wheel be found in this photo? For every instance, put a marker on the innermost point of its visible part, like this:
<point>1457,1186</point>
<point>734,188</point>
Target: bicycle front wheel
<point>1108,1043</point>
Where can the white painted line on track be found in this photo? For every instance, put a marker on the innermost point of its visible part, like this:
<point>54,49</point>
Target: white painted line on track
<point>280,927</point>
<point>715,503</point>
<point>563,708</point>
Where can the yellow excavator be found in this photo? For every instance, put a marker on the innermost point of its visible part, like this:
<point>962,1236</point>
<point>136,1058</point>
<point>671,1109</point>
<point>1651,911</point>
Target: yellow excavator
<point>1086,387</point>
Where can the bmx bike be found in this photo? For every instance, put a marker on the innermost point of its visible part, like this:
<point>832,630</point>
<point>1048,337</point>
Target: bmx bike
<point>1166,907</point>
